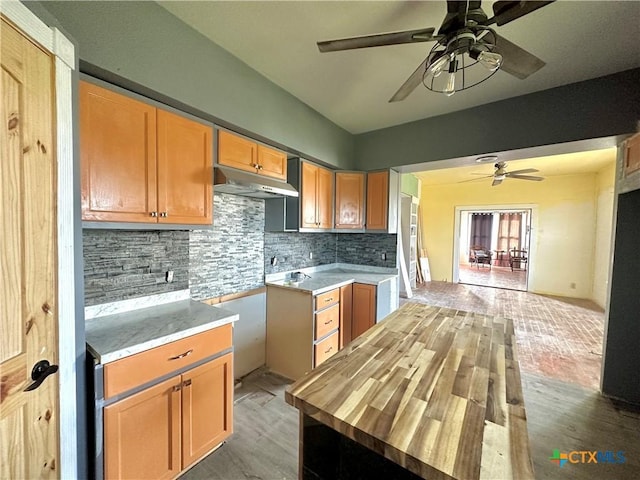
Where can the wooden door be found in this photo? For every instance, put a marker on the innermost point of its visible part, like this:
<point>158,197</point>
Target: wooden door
<point>632,154</point>
<point>142,434</point>
<point>364,309</point>
<point>272,163</point>
<point>118,157</point>
<point>237,152</point>
<point>28,312</point>
<point>377,200</point>
<point>309,195</point>
<point>349,200</point>
<point>325,198</point>
<point>207,407</point>
<point>185,170</point>
<point>346,314</point>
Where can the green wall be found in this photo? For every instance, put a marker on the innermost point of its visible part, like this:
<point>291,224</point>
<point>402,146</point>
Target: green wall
<point>409,184</point>
<point>602,107</point>
<point>144,44</point>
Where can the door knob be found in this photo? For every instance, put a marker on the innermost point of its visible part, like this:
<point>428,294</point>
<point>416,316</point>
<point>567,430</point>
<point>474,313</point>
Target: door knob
<point>41,370</point>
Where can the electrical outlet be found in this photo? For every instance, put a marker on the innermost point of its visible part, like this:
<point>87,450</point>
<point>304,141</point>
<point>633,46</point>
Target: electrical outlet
<point>384,256</point>
<point>572,285</point>
<point>310,255</point>
<point>169,276</point>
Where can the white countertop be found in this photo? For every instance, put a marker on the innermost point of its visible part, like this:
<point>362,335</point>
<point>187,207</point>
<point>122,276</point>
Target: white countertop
<point>327,277</point>
<point>116,336</point>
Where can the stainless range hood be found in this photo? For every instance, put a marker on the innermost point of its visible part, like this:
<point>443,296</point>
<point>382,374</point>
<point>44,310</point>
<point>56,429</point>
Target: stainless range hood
<point>237,182</point>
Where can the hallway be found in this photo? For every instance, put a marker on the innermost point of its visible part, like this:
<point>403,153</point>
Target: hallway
<point>558,337</point>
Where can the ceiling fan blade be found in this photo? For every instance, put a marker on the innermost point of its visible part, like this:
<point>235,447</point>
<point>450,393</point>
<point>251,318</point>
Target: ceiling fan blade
<point>524,170</point>
<point>515,60</point>
<point>411,83</point>
<point>496,181</point>
<point>507,11</point>
<point>525,177</point>
<point>378,40</point>
<point>475,179</point>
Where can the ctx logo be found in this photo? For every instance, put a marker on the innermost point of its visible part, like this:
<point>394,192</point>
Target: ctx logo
<point>587,456</point>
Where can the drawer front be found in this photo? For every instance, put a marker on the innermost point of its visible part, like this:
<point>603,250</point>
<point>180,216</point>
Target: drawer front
<point>327,299</point>
<point>327,320</point>
<point>326,349</point>
<point>129,372</point>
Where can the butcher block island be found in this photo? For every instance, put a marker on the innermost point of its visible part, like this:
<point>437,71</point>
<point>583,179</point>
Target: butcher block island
<point>429,392</point>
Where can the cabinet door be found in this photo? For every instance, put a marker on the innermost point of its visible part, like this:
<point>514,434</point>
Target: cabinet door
<point>207,407</point>
<point>237,152</point>
<point>185,170</point>
<point>632,154</point>
<point>118,156</point>
<point>377,200</point>
<point>346,312</point>
<point>325,198</point>
<point>142,434</point>
<point>309,195</point>
<point>364,308</point>
<point>349,200</point>
<point>272,163</point>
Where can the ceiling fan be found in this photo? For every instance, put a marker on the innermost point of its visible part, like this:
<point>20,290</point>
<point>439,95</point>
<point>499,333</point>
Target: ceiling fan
<point>464,39</point>
<point>501,174</point>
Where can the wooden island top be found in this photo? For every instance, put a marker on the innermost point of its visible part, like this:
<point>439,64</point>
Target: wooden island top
<point>435,390</point>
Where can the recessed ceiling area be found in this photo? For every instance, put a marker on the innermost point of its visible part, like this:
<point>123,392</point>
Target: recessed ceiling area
<point>577,40</point>
<point>549,166</point>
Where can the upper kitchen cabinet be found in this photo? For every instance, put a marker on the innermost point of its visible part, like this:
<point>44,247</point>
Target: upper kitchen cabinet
<point>316,196</point>
<point>632,154</point>
<point>349,200</point>
<point>240,152</point>
<point>142,164</point>
<point>382,201</point>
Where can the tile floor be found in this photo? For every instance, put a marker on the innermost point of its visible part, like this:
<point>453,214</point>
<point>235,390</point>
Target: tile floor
<point>500,277</point>
<point>557,337</point>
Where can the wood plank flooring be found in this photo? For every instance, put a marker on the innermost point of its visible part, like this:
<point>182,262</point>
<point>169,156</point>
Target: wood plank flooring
<point>560,415</point>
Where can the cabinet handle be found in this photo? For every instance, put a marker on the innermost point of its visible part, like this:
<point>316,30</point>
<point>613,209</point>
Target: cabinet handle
<point>259,167</point>
<point>154,214</point>
<point>328,322</point>
<point>327,351</point>
<point>164,214</point>
<point>327,300</point>
<point>182,355</point>
<point>186,383</point>
<point>177,388</point>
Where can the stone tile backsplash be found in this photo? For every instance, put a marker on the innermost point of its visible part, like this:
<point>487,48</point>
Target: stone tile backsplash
<point>292,250</point>
<point>123,264</point>
<point>366,249</point>
<point>230,257</point>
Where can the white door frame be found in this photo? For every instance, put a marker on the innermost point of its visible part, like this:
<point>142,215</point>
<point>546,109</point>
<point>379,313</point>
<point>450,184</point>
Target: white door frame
<point>63,51</point>
<point>533,244</point>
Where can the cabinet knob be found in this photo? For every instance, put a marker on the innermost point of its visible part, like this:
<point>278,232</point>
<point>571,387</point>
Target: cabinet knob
<point>164,214</point>
<point>259,167</point>
<point>154,214</point>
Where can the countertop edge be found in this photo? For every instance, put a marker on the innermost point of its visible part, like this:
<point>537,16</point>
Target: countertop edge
<point>156,342</point>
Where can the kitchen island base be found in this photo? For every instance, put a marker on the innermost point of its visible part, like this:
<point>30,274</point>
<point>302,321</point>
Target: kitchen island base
<point>326,454</point>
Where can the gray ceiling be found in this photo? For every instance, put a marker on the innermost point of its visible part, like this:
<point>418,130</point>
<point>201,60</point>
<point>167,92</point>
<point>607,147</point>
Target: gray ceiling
<point>577,40</point>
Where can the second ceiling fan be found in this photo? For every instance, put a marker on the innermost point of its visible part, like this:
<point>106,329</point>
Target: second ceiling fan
<point>465,35</point>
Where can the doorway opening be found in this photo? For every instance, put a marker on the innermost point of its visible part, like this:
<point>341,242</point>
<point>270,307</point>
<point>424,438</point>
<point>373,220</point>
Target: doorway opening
<point>493,247</point>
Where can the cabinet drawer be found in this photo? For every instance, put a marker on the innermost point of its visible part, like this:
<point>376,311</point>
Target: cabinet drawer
<point>325,349</point>
<point>326,299</point>
<point>327,320</point>
<point>130,372</point>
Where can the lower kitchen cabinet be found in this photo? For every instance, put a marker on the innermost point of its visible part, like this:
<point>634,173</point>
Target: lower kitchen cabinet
<point>364,309</point>
<point>142,434</point>
<point>162,430</point>
<point>207,400</point>
<point>303,330</point>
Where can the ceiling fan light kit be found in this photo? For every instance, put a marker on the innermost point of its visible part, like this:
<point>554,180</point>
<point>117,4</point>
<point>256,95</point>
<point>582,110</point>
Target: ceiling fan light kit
<point>469,50</point>
<point>468,59</point>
